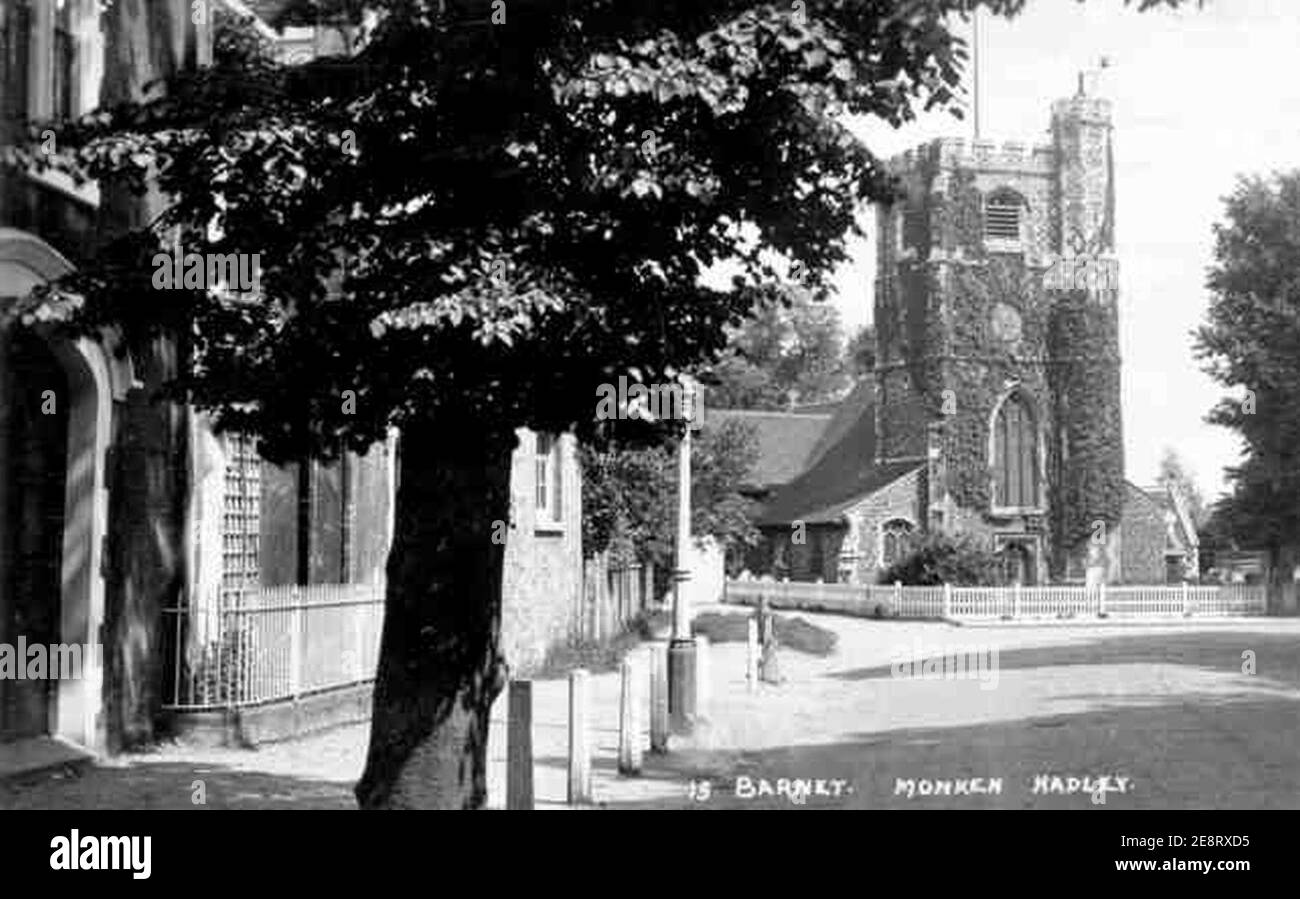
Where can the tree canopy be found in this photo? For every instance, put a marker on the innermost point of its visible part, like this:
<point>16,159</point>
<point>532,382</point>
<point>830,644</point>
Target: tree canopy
<point>1251,344</point>
<point>788,352</point>
<point>497,206</point>
<point>1175,473</point>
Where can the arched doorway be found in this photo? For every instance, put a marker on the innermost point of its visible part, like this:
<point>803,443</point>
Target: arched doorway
<point>53,500</point>
<point>35,455</point>
<point>1017,565</point>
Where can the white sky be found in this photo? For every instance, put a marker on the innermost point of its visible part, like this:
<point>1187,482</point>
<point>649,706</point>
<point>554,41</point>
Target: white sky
<point>1198,97</point>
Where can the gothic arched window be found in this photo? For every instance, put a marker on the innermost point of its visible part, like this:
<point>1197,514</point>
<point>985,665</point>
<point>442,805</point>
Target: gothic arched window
<point>895,541</point>
<point>1015,455</point>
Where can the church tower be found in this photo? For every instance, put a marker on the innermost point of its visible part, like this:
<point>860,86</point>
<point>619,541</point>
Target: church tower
<point>997,342</point>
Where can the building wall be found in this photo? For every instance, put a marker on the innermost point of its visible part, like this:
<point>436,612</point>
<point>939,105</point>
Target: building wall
<point>139,446</point>
<point>542,579</point>
<point>1142,559</point>
<point>901,500</point>
<point>806,553</point>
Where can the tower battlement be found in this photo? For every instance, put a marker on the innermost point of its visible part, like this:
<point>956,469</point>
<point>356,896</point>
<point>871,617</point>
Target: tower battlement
<point>984,155</point>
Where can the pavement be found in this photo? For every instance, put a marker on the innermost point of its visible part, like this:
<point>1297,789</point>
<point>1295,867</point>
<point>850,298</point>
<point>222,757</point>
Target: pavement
<point>1183,715</point>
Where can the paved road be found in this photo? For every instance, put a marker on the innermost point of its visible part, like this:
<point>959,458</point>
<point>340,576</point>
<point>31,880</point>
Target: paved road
<point>1167,708</point>
<point>1072,711</point>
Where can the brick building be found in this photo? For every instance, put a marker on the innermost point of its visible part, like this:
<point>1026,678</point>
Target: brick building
<point>994,409</point>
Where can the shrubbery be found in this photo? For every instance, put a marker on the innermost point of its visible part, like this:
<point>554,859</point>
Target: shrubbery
<point>942,558</point>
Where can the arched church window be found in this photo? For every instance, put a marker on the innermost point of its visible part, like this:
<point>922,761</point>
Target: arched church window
<point>895,541</point>
<point>1002,211</point>
<point>1015,455</point>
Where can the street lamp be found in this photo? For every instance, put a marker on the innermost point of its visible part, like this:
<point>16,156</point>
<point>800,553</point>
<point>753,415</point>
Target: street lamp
<point>681,649</point>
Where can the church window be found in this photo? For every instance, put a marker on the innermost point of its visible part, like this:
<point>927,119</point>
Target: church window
<point>895,541</point>
<point>1015,455</point>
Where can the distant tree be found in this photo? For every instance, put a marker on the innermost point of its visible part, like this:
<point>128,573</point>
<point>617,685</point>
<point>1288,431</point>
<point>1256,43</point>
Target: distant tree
<point>946,559</point>
<point>1175,474</point>
<point>1251,344</point>
<point>860,353</point>
<point>1215,536</point>
<point>788,352</point>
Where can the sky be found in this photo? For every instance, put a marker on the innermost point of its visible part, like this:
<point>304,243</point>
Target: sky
<point>1199,97</point>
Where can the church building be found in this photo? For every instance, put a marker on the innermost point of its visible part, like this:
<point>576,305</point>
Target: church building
<point>994,408</point>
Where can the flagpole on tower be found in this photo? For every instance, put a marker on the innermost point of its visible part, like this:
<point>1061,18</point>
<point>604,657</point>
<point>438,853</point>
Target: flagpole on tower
<point>975,65</point>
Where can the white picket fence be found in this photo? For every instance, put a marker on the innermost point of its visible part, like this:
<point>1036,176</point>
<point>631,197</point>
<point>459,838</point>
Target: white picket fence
<point>1012,603</point>
<point>271,644</point>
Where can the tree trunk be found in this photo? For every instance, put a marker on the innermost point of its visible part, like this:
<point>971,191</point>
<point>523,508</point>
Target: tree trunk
<point>440,664</point>
<point>1281,564</point>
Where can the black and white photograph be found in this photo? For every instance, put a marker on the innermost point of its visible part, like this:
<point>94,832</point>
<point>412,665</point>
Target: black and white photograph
<point>681,405</point>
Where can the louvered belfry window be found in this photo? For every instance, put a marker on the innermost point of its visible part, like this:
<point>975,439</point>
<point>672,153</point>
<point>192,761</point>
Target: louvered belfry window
<point>1015,455</point>
<point>1002,217</point>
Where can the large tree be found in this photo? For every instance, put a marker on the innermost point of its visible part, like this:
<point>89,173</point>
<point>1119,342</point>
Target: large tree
<point>860,353</point>
<point>1251,344</point>
<point>488,211</point>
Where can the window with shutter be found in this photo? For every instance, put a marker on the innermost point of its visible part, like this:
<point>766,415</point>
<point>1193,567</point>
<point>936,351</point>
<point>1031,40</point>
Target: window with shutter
<point>241,525</point>
<point>15,49</point>
<point>65,61</point>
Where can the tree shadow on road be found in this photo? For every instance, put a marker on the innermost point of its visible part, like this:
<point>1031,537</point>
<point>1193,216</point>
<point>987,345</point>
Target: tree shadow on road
<point>173,785</point>
<point>1222,742</point>
<point>1276,656</point>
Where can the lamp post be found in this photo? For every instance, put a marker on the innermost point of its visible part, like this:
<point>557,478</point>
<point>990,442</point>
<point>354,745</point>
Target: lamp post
<point>681,649</point>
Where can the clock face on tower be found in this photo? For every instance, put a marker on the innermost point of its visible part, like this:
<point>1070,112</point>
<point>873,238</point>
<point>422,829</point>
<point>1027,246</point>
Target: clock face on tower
<point>1006,323</point>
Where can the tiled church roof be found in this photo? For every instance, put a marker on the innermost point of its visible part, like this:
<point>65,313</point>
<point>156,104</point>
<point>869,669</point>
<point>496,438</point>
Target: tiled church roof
<point>842,470</point>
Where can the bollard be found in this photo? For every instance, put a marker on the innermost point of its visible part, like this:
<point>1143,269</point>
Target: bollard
<point>702,685</point>
<point>579,739</point>
<point>681,686</point>
<point>629,732</point>
<point>751,655</point>
<point>519,746</point>
<point>659,697</point>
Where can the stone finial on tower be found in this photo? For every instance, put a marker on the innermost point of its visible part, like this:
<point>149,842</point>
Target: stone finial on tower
<point>1081,136</point>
